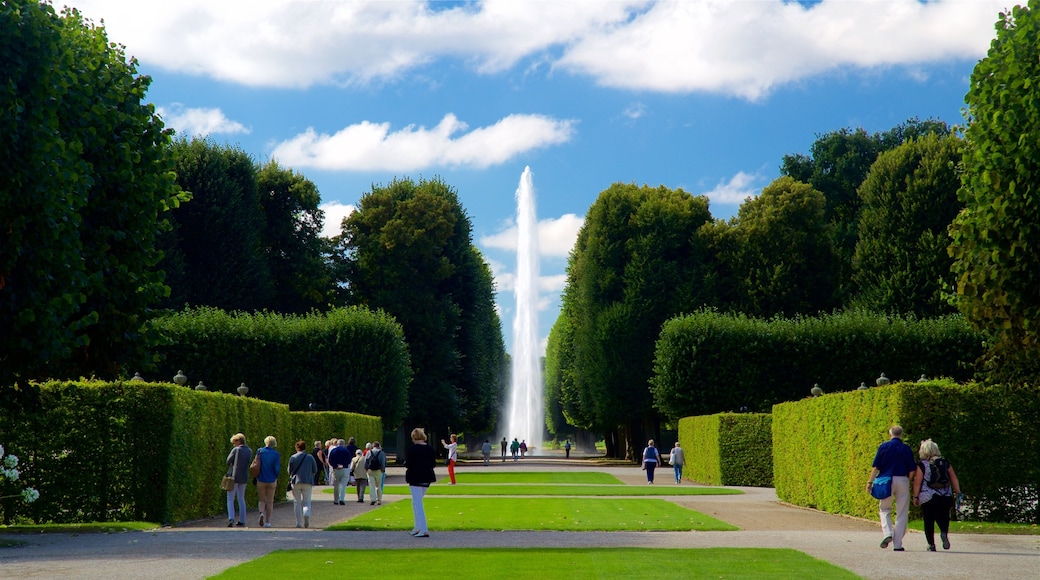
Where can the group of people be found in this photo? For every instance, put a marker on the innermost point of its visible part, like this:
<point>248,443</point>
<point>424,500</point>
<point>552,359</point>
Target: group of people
<point>935,495</point>
<point>652,459</point>
<point>364,468</point>
<point>517,448</point>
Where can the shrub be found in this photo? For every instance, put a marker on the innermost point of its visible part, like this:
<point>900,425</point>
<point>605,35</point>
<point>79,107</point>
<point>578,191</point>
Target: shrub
<point>728,449</point>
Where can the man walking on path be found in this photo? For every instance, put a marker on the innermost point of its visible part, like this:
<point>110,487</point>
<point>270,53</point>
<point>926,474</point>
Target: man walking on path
<point>505,445</point>
<point>485,450</point>
<point>894,459</point>
<point>339,460</point>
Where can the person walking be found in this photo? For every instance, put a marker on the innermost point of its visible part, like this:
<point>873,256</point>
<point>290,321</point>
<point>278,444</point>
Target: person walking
<point>419,475</point>
<point>678,460</point>
<point>238,460</point>
<point>376,469</point>
<point>523,448</point>
<point>651,457</point>
<point>303,472</point>
<point>935,501</point>
<point>321,459</point>
<point>505,446</point>
<point>270,467</point>
<point>567,448</point>
<point>485,450</point>
<point>453,455</point>
<point>357,469</point>
<point>339,460</point>
<point>894,459</point>
<point>515,448</point>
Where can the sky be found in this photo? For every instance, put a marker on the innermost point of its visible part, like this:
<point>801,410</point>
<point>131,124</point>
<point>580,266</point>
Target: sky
<point>702,95</point>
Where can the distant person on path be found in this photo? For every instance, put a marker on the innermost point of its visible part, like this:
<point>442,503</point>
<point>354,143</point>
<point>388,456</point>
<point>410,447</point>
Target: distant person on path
<point>321,459</point>
<point>567,448</point>
<point>238,459</point>
<point>376,469</point>
<point>270,467</point>
<point>419,475</point>
<point>485,450</point>
<point>523,448</point>
<point>678,460</point>
<point>453,455</point>
<point>339,460</point>
<point>894,459</point>
<point>303,471</point>
<point>515,448</point>
<point>505,446</point>
<point>330,478</point>
<point>935,501</point>
<point>651,457</point>
<point>357,469</point>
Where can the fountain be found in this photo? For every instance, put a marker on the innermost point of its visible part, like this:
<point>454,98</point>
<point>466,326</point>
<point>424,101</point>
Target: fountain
<point>526,410</point>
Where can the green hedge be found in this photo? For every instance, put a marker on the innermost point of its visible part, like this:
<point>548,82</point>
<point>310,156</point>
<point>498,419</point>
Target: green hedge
<point>728,449</point>
<point>709,363</point>
<point>141,451</point>
<point>348,359</point>
<point>823,447</point>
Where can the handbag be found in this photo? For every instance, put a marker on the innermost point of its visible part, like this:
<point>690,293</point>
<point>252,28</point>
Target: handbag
<point>882,488</point>
<point>227,483</point>
<point>254,467</point>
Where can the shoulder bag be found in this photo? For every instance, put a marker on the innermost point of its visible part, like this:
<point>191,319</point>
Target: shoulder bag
<point>882,488</point>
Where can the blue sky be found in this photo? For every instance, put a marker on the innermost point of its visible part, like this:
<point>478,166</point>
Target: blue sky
<point>707,96</point>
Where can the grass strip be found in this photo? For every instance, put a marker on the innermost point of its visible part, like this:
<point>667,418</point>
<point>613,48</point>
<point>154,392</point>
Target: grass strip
<point>558,514</point>
<point>983,528</point>
<point>587,477</point>
<point>564,489</point>
<point>542,563</point>
<point>87,528</point>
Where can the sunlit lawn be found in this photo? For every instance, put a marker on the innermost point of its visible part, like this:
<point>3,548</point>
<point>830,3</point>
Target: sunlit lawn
<point>542,563</point>
<point>564,489</point>
<point>562,514</point>
<point>588,477</point>
<point>88,528</point>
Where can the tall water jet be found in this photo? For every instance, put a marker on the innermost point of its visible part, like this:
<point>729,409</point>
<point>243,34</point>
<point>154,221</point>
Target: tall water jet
<point>526,411</point>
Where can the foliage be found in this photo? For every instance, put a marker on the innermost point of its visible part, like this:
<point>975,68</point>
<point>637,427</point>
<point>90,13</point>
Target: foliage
<point>908,200</point>
<point>728,449</point>
<point>9,474</point>
<point>708,362</point>
<point>1000,484</point>
<point>347,359</point>
<point>84,186</point>
<point>995,237</point>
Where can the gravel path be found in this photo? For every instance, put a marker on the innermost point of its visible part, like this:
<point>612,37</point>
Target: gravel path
<point>205,547</point>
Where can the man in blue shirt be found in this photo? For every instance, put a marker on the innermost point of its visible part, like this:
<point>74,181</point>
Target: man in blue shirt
<point>894,459</point>
<point>339,461</point>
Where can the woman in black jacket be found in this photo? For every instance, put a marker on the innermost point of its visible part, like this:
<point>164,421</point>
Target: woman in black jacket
<point>419,474</point>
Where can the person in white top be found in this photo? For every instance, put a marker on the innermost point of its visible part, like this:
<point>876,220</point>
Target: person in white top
<point>453,454</point>
<point>678,460</point>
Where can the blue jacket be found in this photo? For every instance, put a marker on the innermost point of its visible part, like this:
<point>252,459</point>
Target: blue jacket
<point>270,465</point>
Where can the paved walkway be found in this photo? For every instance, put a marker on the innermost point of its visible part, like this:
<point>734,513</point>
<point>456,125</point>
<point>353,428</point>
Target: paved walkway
<point>205,547</point>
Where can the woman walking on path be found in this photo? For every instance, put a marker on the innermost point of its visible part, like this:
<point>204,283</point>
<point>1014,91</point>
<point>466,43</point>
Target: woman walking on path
<point>303,470</point>
<point>270,467</point>
<point>935,501</point>
<point>651,457</point>
<point>453,455</point>
<point>238,460</point>
<point>321,460</point>
<point>678,460</point>
<point>419,474</point>
<point>357,469</point>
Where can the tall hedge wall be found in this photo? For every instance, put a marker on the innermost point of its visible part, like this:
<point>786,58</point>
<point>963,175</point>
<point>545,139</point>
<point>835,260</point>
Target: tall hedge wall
<point>142,451</point>
<point>823,447</point>
<point>728,449</point>
<point>348,359</point>
<point>709,362</point>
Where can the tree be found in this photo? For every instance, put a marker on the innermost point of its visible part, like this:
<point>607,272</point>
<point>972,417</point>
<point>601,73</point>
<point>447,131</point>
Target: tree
<point>213,254</point>
<point>84,186</point>
<point>909,199</point>
<point>996,236</point>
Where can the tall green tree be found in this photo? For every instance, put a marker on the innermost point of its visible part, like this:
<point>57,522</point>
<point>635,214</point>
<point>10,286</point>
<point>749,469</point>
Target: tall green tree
<point>996,236</point>
<point>83,191</point>
<point>213,255</point>
<point>909,200</point>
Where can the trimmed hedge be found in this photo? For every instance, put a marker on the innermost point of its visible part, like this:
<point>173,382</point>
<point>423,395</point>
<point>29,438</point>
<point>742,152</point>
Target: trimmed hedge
<point>709,363</point>
<point>728,449</point>
<point>141,451</point>
<point>823,447</point>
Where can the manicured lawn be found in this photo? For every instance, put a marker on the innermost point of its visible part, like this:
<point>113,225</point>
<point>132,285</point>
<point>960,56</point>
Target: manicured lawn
<point>983,528</point>
<point>542,563</point>
<point>588,477</point>
<point>565,489</point>
<point>511,513</point>
<point>90,528</point>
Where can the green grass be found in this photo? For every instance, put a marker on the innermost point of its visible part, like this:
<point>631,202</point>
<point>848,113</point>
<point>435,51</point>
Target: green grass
<point>564,489</point>
<point>542,563</point>
<point>88,528</point>
<point>587,477</point>
<point>508,513</point>
<point>983,528</point>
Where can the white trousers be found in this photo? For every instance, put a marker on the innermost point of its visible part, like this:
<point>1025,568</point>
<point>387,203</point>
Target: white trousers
<point>901,496</point>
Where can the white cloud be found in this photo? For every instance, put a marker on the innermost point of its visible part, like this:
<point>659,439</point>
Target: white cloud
<point>739,187</point>
<point>370,146</point>
<point>735,48</point>
<point>556,236</point>
<point>198,122</point>
<point>335,213</point>
<point>635,111</point>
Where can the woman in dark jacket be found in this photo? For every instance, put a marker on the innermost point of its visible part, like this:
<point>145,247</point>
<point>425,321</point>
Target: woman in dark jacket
<point>238,462</point>
<point>419,474</point>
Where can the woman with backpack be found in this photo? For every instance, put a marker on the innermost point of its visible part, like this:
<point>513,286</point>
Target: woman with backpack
<point>935,486</point>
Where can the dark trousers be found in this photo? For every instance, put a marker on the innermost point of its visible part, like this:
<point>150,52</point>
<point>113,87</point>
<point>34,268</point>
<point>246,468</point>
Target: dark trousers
<point>936,511</point>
